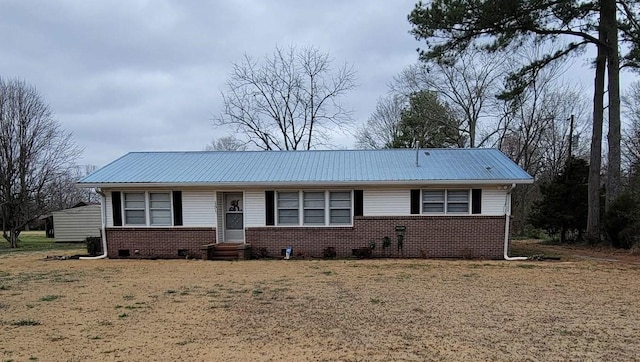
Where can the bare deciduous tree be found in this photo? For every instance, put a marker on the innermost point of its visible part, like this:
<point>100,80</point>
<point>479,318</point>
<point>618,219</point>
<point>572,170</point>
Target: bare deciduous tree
<point>288,101</point>
<point>469,86</point>
<point>537,133</point>
<point>227,143</point>
<point>631,140</point>
<point>33,151</point>
<point>383,126</point>
<point>63,192</point>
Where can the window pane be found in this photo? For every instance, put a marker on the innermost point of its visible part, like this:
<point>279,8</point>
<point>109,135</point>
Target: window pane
<point>134,217</point>
<point>340,216</point>
<point>159,201</point>
<point>343,204</point>
<point>288,203</point>
<point>159,196</point>
<point>288,200</point>
<point>464,208</point>
<point>314,200</point>
<point>314,204</point>
<point>314,216</point>
<point>432,195</point>
<point>458,196</point>
<point>160,217</point>
<point>342,195</point>
<point>160,204</point>
<point>134,201</point>
<point>433,208</point>
<point>288,217</point>
<point>234,221</point>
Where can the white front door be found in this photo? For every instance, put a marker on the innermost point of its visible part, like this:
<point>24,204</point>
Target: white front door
<point>233,217</point>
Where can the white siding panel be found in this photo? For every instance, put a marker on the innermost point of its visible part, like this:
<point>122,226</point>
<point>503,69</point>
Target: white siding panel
<point>254,208</point>
<point>387,202</point>
<point>220,215</point>
<point>75,225</point>
<point>493,202</point>
<point>199,208</point>
<point>109,208</point>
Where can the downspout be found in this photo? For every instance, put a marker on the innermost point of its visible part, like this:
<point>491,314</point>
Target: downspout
<point>103,203</point>
<point>507,213</point>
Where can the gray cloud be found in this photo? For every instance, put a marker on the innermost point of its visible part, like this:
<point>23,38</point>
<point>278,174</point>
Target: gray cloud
<point>135,75</point>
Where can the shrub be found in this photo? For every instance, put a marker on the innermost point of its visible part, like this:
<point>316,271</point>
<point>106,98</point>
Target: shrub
<point>94,245</point>
<point>329,252</point>
<point>622,222</point>
<point>260,253</point>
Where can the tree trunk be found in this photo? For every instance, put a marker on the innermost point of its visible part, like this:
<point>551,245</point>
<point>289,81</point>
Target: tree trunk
<point>12,237</point>
<point>593,216</point>
<point>609,26</point>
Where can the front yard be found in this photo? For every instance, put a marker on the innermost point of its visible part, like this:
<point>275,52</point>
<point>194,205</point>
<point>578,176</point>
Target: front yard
<point>419,310</point>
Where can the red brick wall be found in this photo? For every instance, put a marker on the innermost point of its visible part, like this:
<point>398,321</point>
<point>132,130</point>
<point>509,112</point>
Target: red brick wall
<point>425,236</point>
<point>159,242</point>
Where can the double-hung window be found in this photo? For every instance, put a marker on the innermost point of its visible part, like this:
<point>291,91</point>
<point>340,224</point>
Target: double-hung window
<point>160,208</point>
<point>457,201</point>
<point>313,208</point>
<point>340,207</point>
<point>288,208</point>
<point>134,208</point>
<point>445,201</point>
<point>433,201</point>
<point>147,208</point>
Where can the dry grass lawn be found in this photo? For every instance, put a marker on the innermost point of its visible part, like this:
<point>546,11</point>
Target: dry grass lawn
<point>128,310</point>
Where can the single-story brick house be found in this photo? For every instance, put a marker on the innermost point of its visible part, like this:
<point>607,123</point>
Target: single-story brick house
<point>396,202</point>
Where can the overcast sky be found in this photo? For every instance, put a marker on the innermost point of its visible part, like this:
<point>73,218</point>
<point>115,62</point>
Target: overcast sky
<point>136,75</point>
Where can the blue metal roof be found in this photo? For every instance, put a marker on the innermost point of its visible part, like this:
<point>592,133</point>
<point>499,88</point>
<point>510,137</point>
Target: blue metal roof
<point>308,167</point>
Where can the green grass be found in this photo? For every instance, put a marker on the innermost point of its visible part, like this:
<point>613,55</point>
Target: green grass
<point>37,241</point>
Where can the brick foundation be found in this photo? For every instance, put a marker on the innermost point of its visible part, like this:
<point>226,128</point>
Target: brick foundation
<point>425,236</point>
<point>159,242</point>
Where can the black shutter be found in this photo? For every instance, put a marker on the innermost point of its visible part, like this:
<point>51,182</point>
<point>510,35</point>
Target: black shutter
<point>116,208</point>
<point>269,202</point>
<point>177,208</point>
<point>358,203</point>
<point>476,201</point>
<point>415,201</point>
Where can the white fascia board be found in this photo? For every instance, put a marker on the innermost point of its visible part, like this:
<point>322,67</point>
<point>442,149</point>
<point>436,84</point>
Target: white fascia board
<point>305,183</point>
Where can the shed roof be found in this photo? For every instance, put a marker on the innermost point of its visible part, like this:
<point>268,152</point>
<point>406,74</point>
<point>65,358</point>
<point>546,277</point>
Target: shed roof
<point>310,167</point>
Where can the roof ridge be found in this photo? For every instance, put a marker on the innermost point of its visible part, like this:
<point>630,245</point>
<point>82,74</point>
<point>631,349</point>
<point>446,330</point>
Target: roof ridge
<point>298,151</point>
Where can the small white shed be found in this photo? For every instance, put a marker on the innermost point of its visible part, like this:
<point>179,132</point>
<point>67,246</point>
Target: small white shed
<point>76,224</point>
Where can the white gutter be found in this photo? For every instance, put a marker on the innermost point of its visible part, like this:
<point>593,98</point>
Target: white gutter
<point>103,203</point>
<point>507,213</point>
<point>276,184</point>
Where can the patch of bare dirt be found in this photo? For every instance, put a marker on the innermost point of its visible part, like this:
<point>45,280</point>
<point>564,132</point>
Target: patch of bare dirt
<point>121,310</point>
<point>576,251</point>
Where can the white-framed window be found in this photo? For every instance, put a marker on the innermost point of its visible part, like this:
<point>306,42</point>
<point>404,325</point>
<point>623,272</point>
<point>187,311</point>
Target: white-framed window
<point>147,208</point>
<point>288,208</point>
<point>314,208</point>
<point>340,207</point>
<point>433,201</point>
<point>160,208</point>
<point>445,201</point>
<point>457,201</point>
<point>134,208</point>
